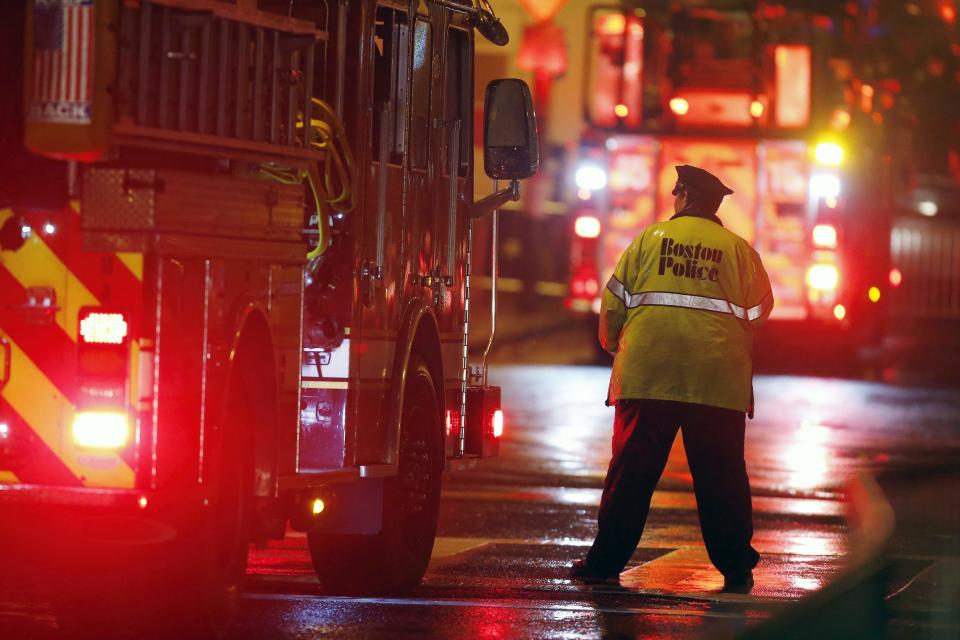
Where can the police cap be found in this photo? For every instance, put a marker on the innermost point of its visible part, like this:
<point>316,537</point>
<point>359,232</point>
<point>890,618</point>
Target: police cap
<point>703,182</point>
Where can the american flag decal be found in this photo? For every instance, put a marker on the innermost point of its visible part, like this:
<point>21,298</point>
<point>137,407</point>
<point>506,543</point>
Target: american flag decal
<point>63,38</point>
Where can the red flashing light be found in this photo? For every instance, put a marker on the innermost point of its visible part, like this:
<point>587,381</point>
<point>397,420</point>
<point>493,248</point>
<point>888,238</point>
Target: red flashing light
<point>679,106</point>
<point>896,277</point>
<point>793,86</point>
<point>497,423</point>
<point>839,312</point>
<point>453,422</point>
<point>825,236</point>
<point>587,227</point>
<point>101,429</point>
<point>823,277</point>
<point>591,287</point>
<point>103,328</point>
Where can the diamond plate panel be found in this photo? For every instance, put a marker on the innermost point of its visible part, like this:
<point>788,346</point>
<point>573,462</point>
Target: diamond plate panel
<point>118,200</point>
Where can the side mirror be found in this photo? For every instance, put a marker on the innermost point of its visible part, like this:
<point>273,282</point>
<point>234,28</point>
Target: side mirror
<point>510,148</point>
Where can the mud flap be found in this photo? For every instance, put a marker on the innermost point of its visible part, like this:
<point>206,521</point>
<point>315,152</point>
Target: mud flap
<point>355,508</point>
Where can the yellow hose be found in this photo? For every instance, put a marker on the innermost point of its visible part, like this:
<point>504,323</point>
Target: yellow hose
<point>338,169</point>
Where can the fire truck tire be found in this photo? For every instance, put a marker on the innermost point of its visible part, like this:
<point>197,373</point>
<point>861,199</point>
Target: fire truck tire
<point>394,560</point>
<point>225,537</point>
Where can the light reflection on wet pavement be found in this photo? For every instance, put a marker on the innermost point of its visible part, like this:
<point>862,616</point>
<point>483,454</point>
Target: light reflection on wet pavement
<point>510,528</point>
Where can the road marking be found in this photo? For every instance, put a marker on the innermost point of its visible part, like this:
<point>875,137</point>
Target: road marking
<point>447,547</point>
<point>482,604</point>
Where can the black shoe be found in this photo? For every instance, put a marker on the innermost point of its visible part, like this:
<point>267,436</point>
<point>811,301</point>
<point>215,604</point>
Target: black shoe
<point>580,570</point>
<point>738,583</point>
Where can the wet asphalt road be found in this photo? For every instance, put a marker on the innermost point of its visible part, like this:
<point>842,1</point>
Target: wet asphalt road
<point>509,528</point>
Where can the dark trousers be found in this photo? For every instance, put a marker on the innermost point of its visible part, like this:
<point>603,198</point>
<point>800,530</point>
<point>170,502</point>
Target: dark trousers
<point>644,431</point>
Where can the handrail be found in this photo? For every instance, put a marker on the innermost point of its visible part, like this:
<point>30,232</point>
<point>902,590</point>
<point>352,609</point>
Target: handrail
<point>454,169</point>
<point>382,184</point>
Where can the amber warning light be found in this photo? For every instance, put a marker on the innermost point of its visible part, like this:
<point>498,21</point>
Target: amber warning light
<point>103,328</point>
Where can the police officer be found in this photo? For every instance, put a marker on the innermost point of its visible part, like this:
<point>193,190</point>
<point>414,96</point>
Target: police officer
<point>679,313</point>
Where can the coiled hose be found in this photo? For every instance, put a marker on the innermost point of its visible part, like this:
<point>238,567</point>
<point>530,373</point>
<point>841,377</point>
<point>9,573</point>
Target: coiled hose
<point>334,188</point>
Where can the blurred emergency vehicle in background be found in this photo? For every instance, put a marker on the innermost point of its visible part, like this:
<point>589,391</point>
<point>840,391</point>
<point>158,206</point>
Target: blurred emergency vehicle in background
<point>751,94</point>
<point>234,282</point>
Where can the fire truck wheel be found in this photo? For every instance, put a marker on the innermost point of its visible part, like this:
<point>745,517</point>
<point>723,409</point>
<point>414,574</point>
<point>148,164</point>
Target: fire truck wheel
<point>218,562</point>
<point>394,560</point>
<point>226,537</point>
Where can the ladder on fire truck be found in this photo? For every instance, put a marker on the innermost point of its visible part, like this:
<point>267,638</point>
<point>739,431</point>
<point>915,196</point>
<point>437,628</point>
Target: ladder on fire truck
<point>224,80</point>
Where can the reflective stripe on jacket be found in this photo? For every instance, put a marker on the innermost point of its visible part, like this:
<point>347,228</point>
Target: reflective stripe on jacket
<point>679,313</point>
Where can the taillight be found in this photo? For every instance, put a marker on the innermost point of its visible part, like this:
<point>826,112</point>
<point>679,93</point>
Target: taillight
<point>497,423</point>
<point>587,227</point>
<point>823,277</point>
<point>825,236</point>
<point>97,327</point>
<point>591,287</point>
<point>101,429</point>
<point>103,354</point>
<point>484,422</point>
<point>453,422</point>
<point>103,345</point>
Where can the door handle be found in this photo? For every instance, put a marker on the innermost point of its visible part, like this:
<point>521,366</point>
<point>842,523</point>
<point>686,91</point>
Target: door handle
<point>436,281</point>
<point>7,359</point>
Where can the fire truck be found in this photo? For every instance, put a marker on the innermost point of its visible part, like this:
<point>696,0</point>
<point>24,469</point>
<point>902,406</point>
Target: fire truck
<point>234,288</point>
<point>754,93</point>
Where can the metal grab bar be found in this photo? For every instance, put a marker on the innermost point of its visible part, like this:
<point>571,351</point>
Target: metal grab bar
<point>494,273</point>
<point>383,159</point>
<point>454,169</point>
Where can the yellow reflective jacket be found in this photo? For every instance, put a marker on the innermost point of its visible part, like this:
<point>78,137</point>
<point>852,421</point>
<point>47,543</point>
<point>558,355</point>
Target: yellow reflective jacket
<point>679,313</point>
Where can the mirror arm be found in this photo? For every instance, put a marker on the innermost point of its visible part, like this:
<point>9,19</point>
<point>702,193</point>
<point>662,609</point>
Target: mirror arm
<point>455,6</point>
<point>485,205</point>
